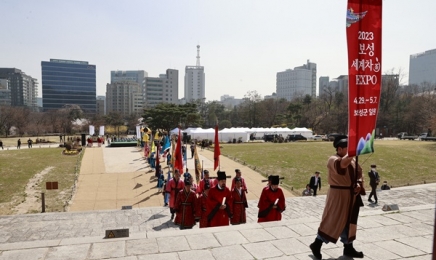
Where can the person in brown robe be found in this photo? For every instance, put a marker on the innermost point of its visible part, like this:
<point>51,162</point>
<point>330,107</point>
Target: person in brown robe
<point>343,200</point>
<point>239,203</point>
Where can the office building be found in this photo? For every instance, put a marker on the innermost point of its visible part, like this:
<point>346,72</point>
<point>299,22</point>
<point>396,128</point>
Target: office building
<point>126,93</point>
<point>299,82</point>
<point>422,68</point>
<point>23,88</point>
<point>323,83</point>
<point>230,101</point>
<point>120,97</point>
<point>68,82</point>
<point>5,93</point>
<point>195,81</point>
<point>272,96</point>
<point>101,105</point>
<point>164,89</point>
<point>128,76</point>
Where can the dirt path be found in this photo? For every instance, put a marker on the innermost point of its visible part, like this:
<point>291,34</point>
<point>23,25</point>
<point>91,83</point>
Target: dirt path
<point>32,195</point>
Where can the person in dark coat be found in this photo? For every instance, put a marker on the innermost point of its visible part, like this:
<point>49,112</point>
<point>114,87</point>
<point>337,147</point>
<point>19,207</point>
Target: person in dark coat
<point>374,180</point>
<point>315,183</point>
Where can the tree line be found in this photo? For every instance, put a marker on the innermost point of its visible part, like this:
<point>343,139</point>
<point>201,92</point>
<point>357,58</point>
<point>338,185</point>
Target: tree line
<point>409,109</point>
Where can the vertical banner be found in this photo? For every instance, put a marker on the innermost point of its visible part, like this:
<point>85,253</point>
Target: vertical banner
<point>138,132</point>
<point>101,132</point>
<point>91,130</point>
<point>364,38</point>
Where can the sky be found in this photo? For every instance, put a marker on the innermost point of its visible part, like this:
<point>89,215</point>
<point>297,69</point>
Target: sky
<point>244,43</point>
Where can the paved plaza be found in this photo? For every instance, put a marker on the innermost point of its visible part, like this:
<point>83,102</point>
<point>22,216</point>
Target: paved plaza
<point>114,177</point>
<point>403,234</point>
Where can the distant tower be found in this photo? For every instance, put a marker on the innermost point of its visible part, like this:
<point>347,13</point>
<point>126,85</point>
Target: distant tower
<point>198,55</point>
<point>194,81</point>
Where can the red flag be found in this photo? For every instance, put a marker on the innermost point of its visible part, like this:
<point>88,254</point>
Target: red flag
<point>364,38</point>
<point>216,150</point>
<point>178,160</point>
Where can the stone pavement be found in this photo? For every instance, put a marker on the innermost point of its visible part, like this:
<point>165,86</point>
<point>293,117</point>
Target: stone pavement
<point>403,234</point>
<point>114,177</point>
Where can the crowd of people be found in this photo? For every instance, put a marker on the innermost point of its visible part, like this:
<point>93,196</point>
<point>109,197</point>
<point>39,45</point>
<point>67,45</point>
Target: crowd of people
<point>212,203</point>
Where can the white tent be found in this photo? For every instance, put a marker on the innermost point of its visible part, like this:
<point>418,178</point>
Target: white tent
<point>175,131</point>
<point>228,134</point>
<point>200,133</point>
<point>302,131</point>
<point>190,129</point>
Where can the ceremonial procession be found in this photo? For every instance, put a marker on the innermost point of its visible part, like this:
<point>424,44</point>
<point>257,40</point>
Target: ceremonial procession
<point>208,200</point>
<point>297,135</point>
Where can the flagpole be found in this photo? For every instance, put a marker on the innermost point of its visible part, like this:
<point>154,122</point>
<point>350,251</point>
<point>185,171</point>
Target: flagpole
<point>202,169</point>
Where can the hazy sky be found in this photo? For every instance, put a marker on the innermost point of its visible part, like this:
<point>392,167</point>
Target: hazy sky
<point>243,43</point>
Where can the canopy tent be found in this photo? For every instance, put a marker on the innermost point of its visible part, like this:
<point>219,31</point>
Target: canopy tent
<point>200,133</point>
<point>302,131</point>
<point>228,134</point>
<point>175,131</point>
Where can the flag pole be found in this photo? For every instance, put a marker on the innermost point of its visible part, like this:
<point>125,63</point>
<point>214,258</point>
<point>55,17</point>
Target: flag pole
<point>202,169</point>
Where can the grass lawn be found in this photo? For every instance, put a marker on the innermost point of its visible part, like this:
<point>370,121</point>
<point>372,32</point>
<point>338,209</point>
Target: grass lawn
<point>12,141</point>
<point>400,162</point>
<point>18,166</point>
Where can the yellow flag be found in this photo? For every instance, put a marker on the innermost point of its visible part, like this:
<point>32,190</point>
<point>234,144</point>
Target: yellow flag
<point>197,165</point>
<point>173,148</point>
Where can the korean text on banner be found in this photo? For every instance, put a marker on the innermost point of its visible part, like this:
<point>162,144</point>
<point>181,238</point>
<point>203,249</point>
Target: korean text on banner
<point>364,38</point>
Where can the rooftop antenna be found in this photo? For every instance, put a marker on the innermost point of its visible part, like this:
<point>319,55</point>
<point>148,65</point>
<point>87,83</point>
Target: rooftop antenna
<point>198,55</point>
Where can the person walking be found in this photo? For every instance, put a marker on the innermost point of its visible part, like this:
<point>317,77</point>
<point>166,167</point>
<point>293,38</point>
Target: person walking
<point>343,201</point>
<point>374,180</point>
<point>239,204</point>
<point>238,174</point>
<point>29,143</point>
<point>219,203</point>
<point>203,182</point>
<point>271,202</point>
<point>202,205</point>
<point>1,144</point>
<point>315,182</point>
<point>173,187</point>
<point>185,207</point>
<point>19,144</point>
<point>192,150</point>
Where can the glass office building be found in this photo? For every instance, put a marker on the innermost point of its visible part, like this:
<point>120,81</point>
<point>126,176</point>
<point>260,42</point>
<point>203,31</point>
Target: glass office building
<point>67,82</point>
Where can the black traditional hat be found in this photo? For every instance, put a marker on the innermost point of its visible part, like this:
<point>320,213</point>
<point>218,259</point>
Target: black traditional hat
<point>373,166</point>
<point>237,170</point>
<point>188,182</point>
<point>206,172</point>
<point>340,141</point>
<point>221,175</point>
<point>275,180</point>
<point>238,179</point>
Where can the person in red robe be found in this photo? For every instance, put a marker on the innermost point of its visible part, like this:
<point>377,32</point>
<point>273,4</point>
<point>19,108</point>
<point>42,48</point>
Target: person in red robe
<point>186,207</point>
<point>173,187</point>
<point>200,187</point>
<point>202,206</point>
<point>218,209</point>
<point>239,175</point>
<point>239,203</point>
<point>272,202</point>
